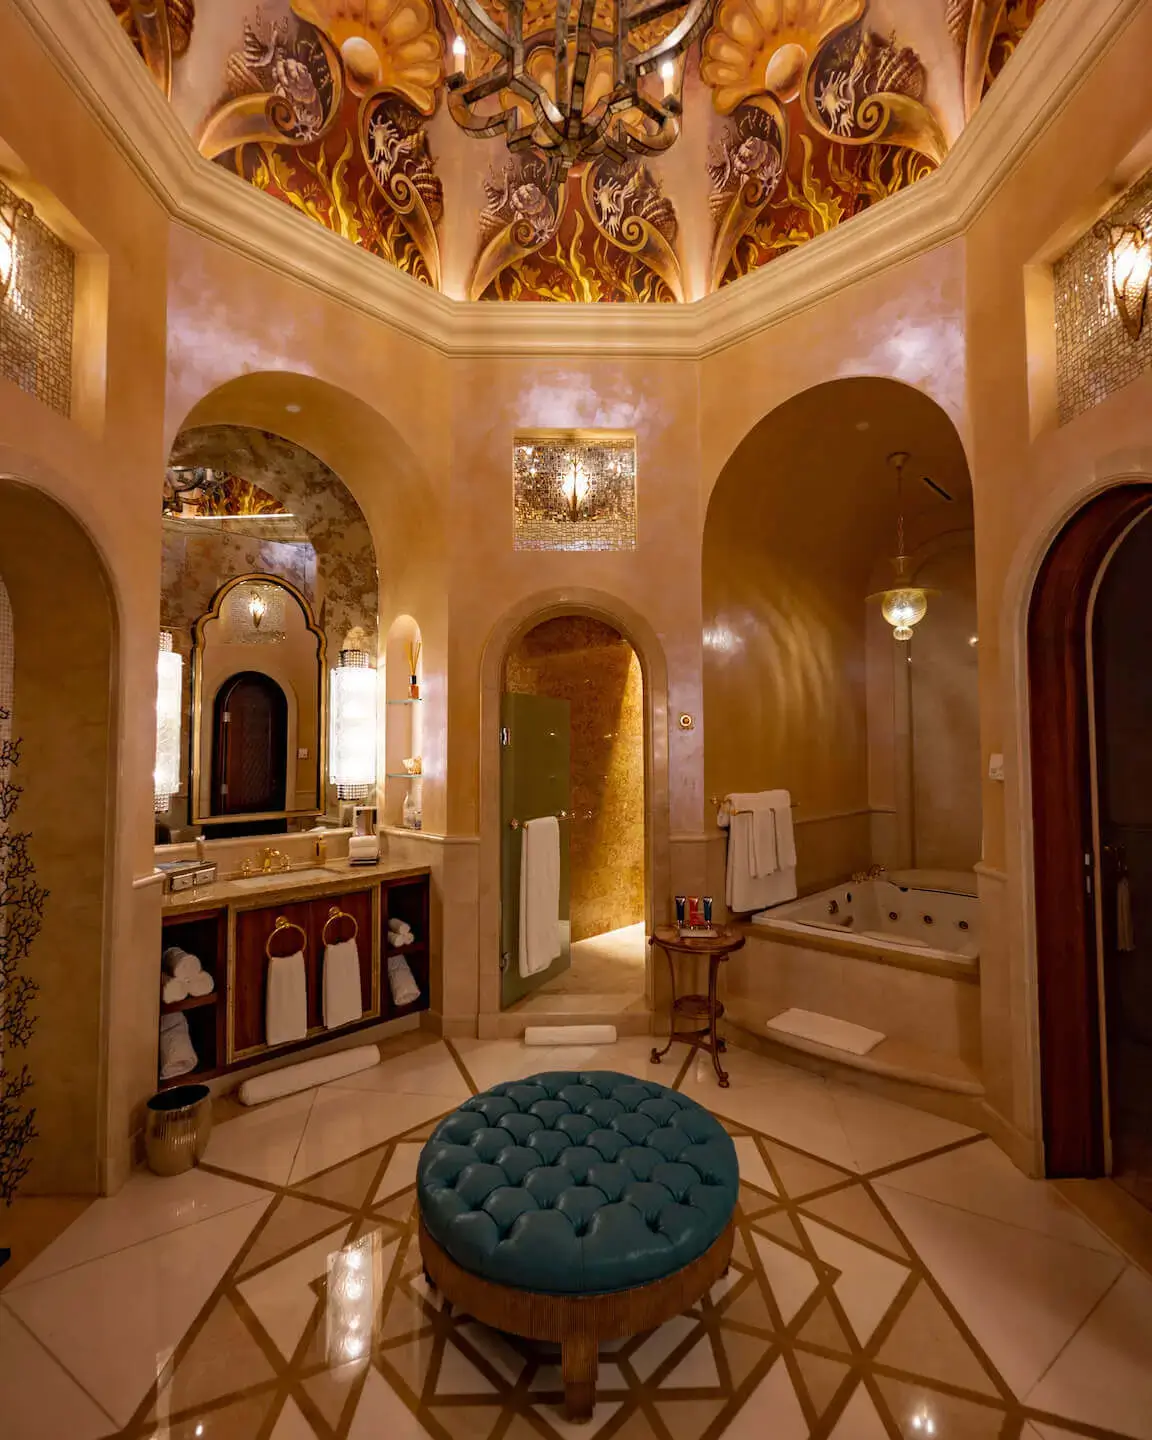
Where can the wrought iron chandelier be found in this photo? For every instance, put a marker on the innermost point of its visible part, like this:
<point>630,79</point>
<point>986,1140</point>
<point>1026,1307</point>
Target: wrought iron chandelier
<point>570,82</point>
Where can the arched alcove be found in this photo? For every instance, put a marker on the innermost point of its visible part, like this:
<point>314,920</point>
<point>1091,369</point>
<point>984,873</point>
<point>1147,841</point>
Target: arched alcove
<point>403,720</point>
<point>63,662</point>
<point>804,686</point>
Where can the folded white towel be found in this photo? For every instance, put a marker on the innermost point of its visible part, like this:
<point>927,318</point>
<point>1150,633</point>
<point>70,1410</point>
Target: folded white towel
<point>172,991</point>
<point>399,925</point>
<point>540,941</point>
<point>177,1057</point>
<point>179,963</point>
<point>343,998</point>
<point>286,999</point>
<point>201,983</point>
<point>401,981</point>
<point>744,890</point>
<point>364,847</point>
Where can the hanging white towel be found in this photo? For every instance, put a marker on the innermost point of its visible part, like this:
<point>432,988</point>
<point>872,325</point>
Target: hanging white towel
<point>343,999</point>
<point>759,832</point>
<point>179,964</point>
<point>177,1057</point>
<point>539,894</point>
<point>401,981</point>
<point>1125,933</point>
<point>286,999</point>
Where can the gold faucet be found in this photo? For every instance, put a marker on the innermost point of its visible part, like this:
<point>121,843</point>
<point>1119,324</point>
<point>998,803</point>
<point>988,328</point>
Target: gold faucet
<point>874,872</point>
<point>274,860</point>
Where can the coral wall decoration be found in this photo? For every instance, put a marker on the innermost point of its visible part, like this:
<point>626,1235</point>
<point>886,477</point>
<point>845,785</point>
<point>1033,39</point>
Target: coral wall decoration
<point>827,117</point>
<point>606,234</point>
<point>325,110</point>
<point>21,912</point>
<point>161,31</point>
<point>987,33</point>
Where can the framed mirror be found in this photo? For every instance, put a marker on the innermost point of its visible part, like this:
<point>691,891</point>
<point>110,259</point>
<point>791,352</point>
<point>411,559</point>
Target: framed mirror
<point>259,706</point>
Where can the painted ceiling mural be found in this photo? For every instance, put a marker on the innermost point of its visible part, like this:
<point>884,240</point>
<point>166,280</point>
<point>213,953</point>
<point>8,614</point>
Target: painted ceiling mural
<point>748,128</point>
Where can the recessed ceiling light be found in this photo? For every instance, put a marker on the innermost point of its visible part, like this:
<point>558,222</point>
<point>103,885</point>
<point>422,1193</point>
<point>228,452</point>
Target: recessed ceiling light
<point>292,409</point>
<point>863,425</point>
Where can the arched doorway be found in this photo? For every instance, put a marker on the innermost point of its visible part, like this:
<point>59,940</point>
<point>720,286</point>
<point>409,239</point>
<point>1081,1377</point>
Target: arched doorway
<point>61,707</point>
<point>1090,811</point>
<point>249,745</point>
<point>572,767</point>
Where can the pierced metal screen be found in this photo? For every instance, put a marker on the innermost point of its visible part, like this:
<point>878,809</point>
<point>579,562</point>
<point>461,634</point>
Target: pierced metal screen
<point>574,493</point>
<point>1095,356</point>
<point>36,313</point>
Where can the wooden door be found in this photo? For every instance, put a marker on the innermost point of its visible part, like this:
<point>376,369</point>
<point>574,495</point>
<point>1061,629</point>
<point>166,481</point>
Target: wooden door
<point>249,745</point>
<point>1064,844</point>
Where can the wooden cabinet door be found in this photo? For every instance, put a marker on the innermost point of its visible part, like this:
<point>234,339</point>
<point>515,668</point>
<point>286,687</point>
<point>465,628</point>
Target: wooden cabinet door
<point>250,968</point>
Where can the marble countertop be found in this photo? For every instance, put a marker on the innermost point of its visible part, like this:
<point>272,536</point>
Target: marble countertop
<point>303,883</point>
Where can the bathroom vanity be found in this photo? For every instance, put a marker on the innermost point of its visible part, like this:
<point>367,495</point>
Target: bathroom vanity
<point>231,925</point>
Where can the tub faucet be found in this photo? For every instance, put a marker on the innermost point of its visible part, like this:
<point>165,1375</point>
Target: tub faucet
<point>874,872</point>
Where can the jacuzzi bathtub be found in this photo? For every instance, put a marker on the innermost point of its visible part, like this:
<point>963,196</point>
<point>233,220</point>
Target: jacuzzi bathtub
<point>900,955</point>
<point>896,922</point>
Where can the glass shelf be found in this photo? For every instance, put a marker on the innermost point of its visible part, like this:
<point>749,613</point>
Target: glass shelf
<point>401,775</point>
<point>411,700</point>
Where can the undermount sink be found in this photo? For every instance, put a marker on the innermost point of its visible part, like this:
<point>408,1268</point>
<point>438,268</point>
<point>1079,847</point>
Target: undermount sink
<point>285,877</point>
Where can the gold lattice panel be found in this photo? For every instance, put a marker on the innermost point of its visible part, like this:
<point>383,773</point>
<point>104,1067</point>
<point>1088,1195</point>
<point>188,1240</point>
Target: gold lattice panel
<point>1095,355</point>
<point>36,313</point>
<point>574,492</point>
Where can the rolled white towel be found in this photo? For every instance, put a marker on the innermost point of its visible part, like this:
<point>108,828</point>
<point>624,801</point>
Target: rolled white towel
<point>397,939</point>
<point>395,923</point>
<point>172,991</point>
<point>179,963</point>
<point>201,983</point>
<point>177,1057</point>
<point>401,981</point>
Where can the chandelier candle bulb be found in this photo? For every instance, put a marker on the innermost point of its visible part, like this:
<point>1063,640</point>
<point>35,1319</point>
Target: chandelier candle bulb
<point>459,51</point>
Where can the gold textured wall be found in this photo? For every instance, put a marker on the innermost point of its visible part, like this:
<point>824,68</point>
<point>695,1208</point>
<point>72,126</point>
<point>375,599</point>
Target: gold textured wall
<point>593,668</point>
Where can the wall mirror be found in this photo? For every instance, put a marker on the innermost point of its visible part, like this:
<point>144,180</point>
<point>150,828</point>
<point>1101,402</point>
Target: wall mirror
<point>268,575</point>
<point>258,706</point>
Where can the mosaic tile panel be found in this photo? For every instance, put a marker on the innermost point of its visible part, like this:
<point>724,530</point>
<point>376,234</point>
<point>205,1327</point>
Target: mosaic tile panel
<point>36,313</point>
<point>1095,356</point>
<point>574,493</point>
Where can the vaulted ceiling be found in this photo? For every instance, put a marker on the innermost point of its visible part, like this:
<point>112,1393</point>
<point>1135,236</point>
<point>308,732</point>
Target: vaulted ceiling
<point>780,120</point>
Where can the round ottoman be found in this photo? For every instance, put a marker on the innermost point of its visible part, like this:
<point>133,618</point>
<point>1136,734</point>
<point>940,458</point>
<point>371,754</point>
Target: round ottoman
<point>575,1208</point>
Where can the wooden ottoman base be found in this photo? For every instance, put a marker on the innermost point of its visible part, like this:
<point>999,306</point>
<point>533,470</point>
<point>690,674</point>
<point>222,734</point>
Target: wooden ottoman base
<point>578,1323</point>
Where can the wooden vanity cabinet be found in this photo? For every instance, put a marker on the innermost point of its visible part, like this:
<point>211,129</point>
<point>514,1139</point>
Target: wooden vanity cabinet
<point>256,928</point>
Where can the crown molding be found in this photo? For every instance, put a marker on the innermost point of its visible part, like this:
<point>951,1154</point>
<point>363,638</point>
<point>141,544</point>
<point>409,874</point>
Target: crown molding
<point>87,45</point>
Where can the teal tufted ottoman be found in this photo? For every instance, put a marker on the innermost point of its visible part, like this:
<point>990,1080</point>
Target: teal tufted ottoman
<point>577,1207</point>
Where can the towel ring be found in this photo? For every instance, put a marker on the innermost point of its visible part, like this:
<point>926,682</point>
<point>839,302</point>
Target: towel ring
<point>337,914</point>
<point>281,925</point>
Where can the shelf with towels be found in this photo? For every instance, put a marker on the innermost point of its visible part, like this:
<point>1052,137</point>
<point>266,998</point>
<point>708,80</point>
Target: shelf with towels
<point>193,1002</point>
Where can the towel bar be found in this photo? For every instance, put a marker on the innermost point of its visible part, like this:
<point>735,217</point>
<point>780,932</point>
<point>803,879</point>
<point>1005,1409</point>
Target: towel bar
<point>515,824</point>
<point>720,804</point>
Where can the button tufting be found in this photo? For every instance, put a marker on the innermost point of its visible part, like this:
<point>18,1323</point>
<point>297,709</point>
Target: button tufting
<point>572,1182</point>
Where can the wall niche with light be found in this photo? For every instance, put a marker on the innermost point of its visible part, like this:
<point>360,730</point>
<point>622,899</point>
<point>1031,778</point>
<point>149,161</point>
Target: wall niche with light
<point>574,490</point>
<point>1103,318</point>
<point>37,303</point>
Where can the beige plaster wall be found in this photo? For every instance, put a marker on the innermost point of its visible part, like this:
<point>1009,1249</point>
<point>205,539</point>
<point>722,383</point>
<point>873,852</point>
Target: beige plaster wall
<point>103,467</point>
<point>1029,476</point>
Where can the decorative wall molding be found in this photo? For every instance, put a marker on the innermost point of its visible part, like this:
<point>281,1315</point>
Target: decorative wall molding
<point>1061,48</point>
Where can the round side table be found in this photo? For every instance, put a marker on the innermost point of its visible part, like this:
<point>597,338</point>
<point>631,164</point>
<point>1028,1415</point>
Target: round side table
<point>697,1007</point>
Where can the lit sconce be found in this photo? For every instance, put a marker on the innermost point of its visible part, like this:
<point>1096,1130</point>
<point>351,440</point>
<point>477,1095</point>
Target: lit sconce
<point>169,702</point>
<point>576,488</point>
<point>12,211</point>
<point>1129,270</point>
<point>257,608</point>
<point>352,737</point>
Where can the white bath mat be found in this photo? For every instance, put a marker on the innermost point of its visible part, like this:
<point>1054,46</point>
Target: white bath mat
<point>827,1030</point>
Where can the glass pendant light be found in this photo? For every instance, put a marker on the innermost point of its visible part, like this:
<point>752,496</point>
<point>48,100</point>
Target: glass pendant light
<point>905,604</point>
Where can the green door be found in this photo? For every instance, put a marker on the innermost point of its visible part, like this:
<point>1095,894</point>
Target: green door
<point>534,780</point>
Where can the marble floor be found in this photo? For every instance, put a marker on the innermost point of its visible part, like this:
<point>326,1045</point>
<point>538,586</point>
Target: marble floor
<point>606,976</point>
<point>893,1276</point>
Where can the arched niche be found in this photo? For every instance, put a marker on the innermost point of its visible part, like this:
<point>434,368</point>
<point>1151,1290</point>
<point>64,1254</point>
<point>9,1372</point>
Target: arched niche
<point>802,681</point>
<point>403,717</point>
<point>64,659</point>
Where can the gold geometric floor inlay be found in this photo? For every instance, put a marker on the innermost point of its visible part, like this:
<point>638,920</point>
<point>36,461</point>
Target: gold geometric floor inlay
<point>827,1325</point>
